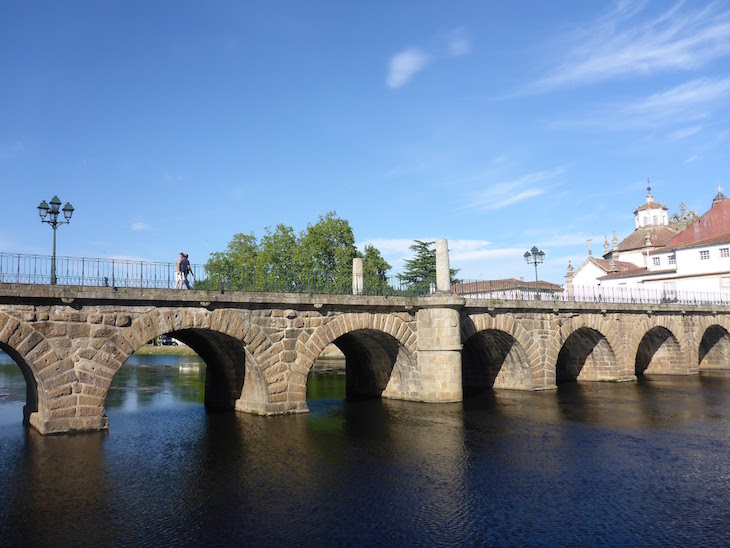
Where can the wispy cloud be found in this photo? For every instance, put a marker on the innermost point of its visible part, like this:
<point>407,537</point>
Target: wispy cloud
<point>405,65</point>
<point>507,193</point>
<point>685,132</point>
<point>687,103</point>
<point>680,98</point>
<point>458,43</point>
<point>139,226</point>
<point>627,41</point>
<point>692,159</point>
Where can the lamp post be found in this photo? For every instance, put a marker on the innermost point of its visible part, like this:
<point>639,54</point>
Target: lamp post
<point>51,211</point>
<point>535,256</point>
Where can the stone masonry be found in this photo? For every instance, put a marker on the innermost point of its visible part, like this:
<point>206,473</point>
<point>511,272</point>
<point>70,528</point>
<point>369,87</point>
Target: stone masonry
<point>259,348</point>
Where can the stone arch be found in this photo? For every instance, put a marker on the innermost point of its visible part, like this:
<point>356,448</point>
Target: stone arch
<point>656,346</point>
<point>49,377</point>
<point>379,351</point>
<point>226,341</point>
<point>496,354</point>
<point>585,350</point>
<point>711,344</point>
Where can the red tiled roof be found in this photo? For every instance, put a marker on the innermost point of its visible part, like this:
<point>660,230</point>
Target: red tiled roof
<point>636,271</point>
<point>507,284</point>
<point>650,205</point>
<point>605,264</point>
<point>660,236</point>
<point>712,228</point>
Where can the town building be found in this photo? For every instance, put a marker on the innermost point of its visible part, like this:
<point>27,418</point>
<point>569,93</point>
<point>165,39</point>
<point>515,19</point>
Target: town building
<point>684,252</point>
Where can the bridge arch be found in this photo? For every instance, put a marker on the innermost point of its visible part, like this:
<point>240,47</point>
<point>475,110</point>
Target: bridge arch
<point>48,377</point>
<point>228,344</point>
<point>379,351</point>
<point>656,346</point>
<point>711,344</point>
<point>496,354</point>
<point>585,351</point>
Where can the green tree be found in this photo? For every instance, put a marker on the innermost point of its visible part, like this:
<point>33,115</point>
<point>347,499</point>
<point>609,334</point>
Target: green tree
<point>319,259</point>
<point>375,270</point>
<point>420,271</point>
<point>325,252</point>
<point>231,268</point>
<point>275,266</point>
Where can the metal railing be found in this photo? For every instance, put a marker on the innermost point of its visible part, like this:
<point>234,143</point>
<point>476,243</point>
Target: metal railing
<point>129,273</point>
<point>500,290</point>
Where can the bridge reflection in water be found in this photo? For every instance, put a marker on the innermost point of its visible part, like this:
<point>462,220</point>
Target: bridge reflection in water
<point>590,463</point>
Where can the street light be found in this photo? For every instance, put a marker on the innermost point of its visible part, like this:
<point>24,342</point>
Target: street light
<point>51,211</point>
<point>535,256</point>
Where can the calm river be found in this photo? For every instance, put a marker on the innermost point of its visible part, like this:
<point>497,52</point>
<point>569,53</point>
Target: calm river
<point>634,464</point>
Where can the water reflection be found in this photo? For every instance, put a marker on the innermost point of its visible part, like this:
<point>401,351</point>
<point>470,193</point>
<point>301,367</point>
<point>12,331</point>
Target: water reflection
<point>642,463</point>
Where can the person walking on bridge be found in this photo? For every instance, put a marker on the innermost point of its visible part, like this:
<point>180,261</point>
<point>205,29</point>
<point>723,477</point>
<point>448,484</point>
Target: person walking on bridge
<point>178,273</point>
<point>184,270</point>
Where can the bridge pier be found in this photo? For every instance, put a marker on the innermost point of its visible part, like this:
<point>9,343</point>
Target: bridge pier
<point>439,349</point>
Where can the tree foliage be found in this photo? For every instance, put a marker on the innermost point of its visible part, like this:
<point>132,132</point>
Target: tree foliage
<point>420,271</point>
<point>319,258</point>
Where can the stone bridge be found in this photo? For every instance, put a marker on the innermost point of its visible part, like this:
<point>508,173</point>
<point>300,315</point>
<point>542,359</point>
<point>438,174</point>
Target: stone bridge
<point>259,348</point>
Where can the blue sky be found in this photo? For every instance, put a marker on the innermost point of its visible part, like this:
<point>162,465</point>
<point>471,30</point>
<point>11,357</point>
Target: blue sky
<point>499,125</point>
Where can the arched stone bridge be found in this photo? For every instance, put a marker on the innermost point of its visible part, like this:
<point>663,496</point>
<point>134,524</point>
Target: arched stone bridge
<point>259,348</point>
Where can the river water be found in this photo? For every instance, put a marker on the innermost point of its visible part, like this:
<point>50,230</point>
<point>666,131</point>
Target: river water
<point>632,464</point>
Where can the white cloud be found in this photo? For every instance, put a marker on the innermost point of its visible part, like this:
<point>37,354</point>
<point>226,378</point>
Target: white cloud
<point>405,65</point>
<point>687,103</point>
<point>682,97</point>
<point>507,193</point>
<point>138,226</point>
<point>625,42</point>
<point>685,132</point>
<point>692,159</point>
<point>458,43</point>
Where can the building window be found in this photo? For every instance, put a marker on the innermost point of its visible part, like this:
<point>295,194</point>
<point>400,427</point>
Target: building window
<point>725,252</point>
<point>643,221</point>
<point>704,255</point>
<point>657,261</point>
<point>655,220</point>
<point>672,259</point>
<point>725,281</point>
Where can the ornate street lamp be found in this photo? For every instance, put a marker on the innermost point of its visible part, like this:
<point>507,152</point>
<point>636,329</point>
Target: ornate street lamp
<point>535,256</point>
<point>51,211</point>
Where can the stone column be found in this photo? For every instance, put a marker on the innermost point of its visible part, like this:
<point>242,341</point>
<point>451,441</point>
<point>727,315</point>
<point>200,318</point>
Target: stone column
<point>443,272</point>
<point>569,281</point>
<point>439,349</point>
<point>357,276</point>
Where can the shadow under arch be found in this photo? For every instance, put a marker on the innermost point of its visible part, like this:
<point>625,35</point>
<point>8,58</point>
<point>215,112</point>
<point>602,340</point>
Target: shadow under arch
<point>31,383</point>
<point>714,349</point>
<point>376,365</point>
<point>232,381</point>
<point>586,355</point>
<point>494,359</point>
<point>658,352</point>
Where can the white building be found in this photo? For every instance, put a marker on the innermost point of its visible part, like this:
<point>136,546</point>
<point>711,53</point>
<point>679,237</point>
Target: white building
<point>683,252</point>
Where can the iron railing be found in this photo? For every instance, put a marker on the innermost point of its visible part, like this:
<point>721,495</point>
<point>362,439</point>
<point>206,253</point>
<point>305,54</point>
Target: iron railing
<point>506,290</point>
<point>129,273</point>
<point>95,272</point>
